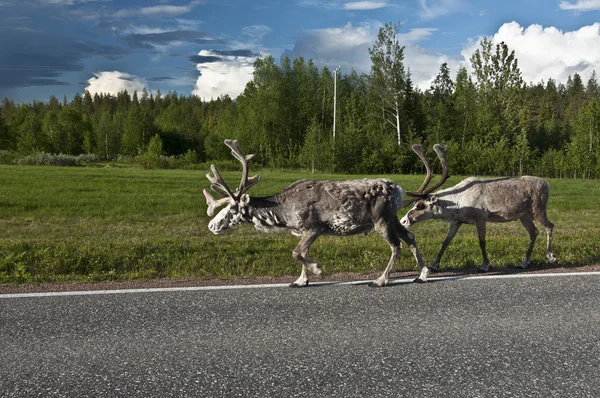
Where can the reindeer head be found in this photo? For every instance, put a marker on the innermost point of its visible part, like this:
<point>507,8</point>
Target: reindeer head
<point>426,205</point>
<point>237,202</point>
<point>424,209</point>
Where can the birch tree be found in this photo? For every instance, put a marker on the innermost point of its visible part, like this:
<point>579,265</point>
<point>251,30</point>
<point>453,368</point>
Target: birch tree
<point>388,77</point>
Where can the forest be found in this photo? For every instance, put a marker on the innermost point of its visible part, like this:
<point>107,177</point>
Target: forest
<point>491,120</point>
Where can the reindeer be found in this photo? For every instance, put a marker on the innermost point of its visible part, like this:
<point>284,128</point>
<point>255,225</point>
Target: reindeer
<point>478,201</point>
<point>309,209</point>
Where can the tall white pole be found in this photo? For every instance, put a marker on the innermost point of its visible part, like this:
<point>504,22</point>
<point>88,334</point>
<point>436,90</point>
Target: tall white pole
<point>335,72</point>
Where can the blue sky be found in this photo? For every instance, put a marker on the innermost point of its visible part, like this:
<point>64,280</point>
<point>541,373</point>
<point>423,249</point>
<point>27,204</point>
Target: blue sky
<point>206,47</point>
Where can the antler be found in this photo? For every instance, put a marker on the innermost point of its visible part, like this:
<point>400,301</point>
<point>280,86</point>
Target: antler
<point>214,204</point>
<point>419,151</point>
<point>246,183</point>
<point>422,192</point>
<point>218,184</point>
<point>441,154</point>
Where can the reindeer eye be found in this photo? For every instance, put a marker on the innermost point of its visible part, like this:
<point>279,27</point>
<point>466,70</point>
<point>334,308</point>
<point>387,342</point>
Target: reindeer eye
<point>420,206</point>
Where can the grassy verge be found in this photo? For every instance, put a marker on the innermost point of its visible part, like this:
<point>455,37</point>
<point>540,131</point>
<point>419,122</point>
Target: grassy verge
<point>91,224</point>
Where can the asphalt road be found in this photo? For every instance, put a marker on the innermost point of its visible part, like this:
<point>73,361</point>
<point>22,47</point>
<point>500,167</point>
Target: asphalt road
<point>536,336</point>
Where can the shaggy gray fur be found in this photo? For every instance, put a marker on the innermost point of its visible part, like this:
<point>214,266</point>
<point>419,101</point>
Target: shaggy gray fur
<point>311,208</point>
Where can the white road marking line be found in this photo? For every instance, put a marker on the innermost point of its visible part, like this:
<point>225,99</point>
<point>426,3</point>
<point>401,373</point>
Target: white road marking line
<point>280,285</point>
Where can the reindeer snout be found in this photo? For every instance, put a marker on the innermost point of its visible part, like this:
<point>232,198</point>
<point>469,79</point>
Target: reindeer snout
<point>214,227</point>
<point>405,221</point>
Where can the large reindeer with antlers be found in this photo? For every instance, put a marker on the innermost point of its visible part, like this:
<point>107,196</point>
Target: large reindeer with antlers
<point>311,208</point>
<point>478,201</point>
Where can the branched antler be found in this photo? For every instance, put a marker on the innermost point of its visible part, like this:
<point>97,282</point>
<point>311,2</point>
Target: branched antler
<point>214,204</point>
<point>422,191</point>
<point>246,183</point>
<point>218,184</point>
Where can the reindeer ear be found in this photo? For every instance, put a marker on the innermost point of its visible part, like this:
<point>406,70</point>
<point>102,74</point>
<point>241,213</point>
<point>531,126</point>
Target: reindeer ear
<point>245,199</point>
<point>433,199</point>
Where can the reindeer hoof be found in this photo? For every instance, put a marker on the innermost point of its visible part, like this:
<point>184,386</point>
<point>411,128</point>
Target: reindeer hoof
<point>483,270</point>
<point>296,285</point>
<point>419,280</point>
<point>377,284</point>
<point>436,269</point>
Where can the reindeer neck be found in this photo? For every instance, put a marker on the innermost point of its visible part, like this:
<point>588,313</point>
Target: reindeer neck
<point>266,212</point>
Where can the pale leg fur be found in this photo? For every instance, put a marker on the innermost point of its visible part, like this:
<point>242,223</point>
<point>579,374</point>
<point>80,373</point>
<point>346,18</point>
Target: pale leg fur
<point>539,214</point>
<point>549,255</point>
<point>300,253</point>
<point>384,279</point>
<point>387,231</point>
<point>549,228</point>
<point>409,238</point>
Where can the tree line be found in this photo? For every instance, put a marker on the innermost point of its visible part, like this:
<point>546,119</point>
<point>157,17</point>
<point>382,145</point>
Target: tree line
<point>492,122</point>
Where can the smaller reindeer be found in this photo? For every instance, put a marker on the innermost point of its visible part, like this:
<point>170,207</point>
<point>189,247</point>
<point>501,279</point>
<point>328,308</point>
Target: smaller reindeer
<point>312,208</point>
<point>478,201</point>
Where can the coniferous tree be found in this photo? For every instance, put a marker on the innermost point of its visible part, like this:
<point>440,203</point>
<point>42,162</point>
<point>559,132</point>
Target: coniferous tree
<point>440,107</point>
<point>491,121</point>
<point>5,140</point>
<point>464,98</point>
<point>499,92</point>
<point>592,90</point>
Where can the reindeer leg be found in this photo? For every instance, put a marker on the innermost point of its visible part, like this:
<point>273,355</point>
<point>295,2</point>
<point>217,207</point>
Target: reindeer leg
<point>302,279</point>
<point>451,234</point>
<point>527,222</point>
<point>312,266</point>
<point>549,255</point>
<point>485,267</point>
<point>299,253</point>
<point>549,228</point>
<point>409,238</point>
<point>387,231</point>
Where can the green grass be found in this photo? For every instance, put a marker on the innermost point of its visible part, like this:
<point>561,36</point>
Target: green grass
<point>82,224</point>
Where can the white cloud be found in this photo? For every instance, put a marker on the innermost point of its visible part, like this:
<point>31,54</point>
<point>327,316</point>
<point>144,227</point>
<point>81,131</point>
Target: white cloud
<point>330,4</point>
<point>68,2</point>
<point>431,9</point>
<point>580,5</point>
<point>188,24</point>
<point>346,5</point>
<point>143,30</point>
<point>228,76</point>
<point>166,10</point>
<point>416,35</point>
<point>114,82</point>
<point>349,47</point>
<point>251,38</point>
<point>365,5</point>
<point>256,31</point>
<point>542,53</point>
<point>545,53</point>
